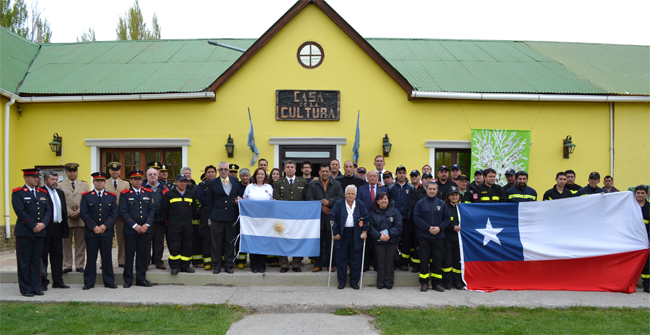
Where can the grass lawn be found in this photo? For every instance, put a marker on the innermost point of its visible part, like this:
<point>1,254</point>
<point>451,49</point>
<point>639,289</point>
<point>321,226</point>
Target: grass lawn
<point>87,318</point>
<point>510,320</point>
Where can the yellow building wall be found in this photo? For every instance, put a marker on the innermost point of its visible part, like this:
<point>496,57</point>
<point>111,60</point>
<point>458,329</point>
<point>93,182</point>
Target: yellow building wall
<point>631,144</point>
<point>364,86</point>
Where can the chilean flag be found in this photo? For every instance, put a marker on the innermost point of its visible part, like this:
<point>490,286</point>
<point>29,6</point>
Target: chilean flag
<point>590,243</point>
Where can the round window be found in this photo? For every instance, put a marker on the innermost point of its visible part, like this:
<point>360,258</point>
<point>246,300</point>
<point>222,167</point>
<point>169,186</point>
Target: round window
<point>310,55</point>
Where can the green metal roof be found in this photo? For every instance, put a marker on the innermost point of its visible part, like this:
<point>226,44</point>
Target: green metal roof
<point>16,53</point>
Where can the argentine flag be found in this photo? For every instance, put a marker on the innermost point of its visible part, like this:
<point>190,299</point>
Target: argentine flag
<point>591,243</point>
<point>281,228</point>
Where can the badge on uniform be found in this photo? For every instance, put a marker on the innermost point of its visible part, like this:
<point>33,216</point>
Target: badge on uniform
<point>300,187</point>
<point>475,196</point>
<point>131,198</point>
<point>27,198</point>
<point>407,191</point>
<point>391,218</point>
<point>438,207</point>
<point>42,199</point>
<point>145,198</point>
<point>282,187</point>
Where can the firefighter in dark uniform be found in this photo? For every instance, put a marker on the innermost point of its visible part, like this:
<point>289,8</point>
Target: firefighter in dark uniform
<point>451,273</point>
<point>99,210</point>
<point>32,207</point>
<point>400,193</point>
<point>419,194</point>
<point>511,178</point>
<point>137,210</point>
<point>204,229</point>
<point>431,217</point>
<point>559,190</point>
<point>592,187</point>
<point>641,194</point>
<point>178,207</point>
<point>489,191</point>
<point>521,192</point>
<point>444,183</point>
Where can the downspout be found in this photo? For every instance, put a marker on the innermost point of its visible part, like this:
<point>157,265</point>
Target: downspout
<point>611,138</point>
<point>6,168</point>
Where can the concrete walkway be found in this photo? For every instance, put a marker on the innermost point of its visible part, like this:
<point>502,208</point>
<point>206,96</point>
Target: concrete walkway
<point>308,324</point>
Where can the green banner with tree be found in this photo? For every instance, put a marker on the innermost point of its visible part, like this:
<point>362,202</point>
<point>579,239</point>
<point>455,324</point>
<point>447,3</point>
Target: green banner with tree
<point>500,149</point>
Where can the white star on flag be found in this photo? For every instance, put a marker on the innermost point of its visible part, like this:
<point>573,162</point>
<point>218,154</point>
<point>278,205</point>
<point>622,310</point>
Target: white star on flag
<point>490,234</point>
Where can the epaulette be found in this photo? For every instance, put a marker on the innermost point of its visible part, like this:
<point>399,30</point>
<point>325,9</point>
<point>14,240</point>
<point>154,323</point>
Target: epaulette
<point>42,189</point>
<point>17,189</point>
<point>86,192</point>
<point>165,191</point>
<point>147,189</point>
<point>125,191</point>
<point>111,193</point>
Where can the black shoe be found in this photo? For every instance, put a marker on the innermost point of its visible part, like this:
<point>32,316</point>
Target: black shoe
<point>283,270</point>
<point>448,286</point>
<point>355,286</point>
<point>60,286</point>
<point>262,271</point>
<point>38,293</point>
<point>175,271</point>
<point>228,269</point>
<point>424,287</point>
<point>28,294</point>
<point>379,287</point>
<point>120,265</point>
<point>459,286</point>
<point>341,286</point>
<point>296,269</point>
<point>439,288</point>
<point>646,289</point>
<point>110,286</point>
<point>389,287</point>
<point>87,287</point>
<point>44,288</point>
<point>216,270</point>
<point>127,284</point>
<point>80,270</point>
<point>188,270</point>
<point>256,270</point>
<point>145,283</point>
<point>67,270</point>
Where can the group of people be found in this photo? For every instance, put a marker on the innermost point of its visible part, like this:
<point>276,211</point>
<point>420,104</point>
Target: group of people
<point>405,223</point>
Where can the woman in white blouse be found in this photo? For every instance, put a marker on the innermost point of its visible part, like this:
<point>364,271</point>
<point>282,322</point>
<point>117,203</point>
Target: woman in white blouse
<point>259,189</point>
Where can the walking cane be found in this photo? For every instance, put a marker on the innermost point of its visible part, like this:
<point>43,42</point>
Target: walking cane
<point>329,273</point>
<point>363,259</point>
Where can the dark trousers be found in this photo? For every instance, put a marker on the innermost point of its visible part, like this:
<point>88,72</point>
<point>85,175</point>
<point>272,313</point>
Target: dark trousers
<point>53,248</point>
<point>136,246</point>
<point>406,243</point>
<point>347,254</point>
<point>431,271</point>
<point>197,246</point>
<point>370,254</point>
<point>28,261</point>
<point>103,245</point>
<point>415,249</point>
<point>206,245</point>
<point>223,234</point>
<point>158,231</point>
<point>325,248</point>
<point>258,262</point>
<point>451,261</point>
<point>385,264</point>
<point>645,274</point>
<point>179,242</point>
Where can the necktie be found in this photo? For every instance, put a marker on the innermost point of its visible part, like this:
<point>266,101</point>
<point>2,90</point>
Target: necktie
<point>225,182</point>
<point>73,185</point>
<point>99,194</point>
<point>34,193</point>
<point>115,184</point>
<point>372,193</point>
<point>291,182</point>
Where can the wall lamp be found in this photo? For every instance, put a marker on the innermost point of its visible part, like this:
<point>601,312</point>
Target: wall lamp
<point>567,147</point>
<point>387,146</point>
<point>55,145</point>
<point>230,147</point>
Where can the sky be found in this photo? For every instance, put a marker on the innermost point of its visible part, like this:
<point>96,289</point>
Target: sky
<point>590,21</point>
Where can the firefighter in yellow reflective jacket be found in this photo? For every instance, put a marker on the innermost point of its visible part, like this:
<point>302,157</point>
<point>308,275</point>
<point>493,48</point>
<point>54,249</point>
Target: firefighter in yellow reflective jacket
<point>489,191</point>
<point>641,193</point>
<point>178,207</point>
<point>521,192</point>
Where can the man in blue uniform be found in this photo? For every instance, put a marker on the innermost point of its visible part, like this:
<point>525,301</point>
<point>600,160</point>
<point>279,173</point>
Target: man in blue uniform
<point>31,205</point>
<point>559,191</point>
<point>99,212</point>
<point>137,210</point>
<point>592,187</point>
<point>521,192</point>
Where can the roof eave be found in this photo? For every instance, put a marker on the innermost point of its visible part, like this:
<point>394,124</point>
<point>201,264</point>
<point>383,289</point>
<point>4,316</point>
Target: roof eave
<point>529,97</point>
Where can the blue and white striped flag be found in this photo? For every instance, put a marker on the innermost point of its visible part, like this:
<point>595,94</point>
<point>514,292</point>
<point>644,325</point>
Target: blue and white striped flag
<point>251,140</point>
<point>282,228</point>
<point>357,140</point>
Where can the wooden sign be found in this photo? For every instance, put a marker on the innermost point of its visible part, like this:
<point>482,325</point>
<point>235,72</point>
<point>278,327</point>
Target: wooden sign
<point>307,105</point>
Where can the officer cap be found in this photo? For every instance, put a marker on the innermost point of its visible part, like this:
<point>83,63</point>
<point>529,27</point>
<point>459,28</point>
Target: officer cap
<point>31,172</point>
<point>511,171</point>
<point>594,175</point>
<point>478,172</point>
<point>115,165</point>
<point>361,170</point>
<point>453,190</point>
<point>203,177</point>
<point>71,166</point>
<point>641,188</point>
<point>415,173</point>
<point>463,177</point>
<point>521,173</point>
<point>99,176</point>
<point>400,168</point>
<point>442,167</point>
<point>155,164</point>
<point>427,175</point>
<point>180,176</point>
<point>388,174</point>
<point>455,167</point>
<point>136,174</point>
<point>233,167</point>
<point>163,168</point>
